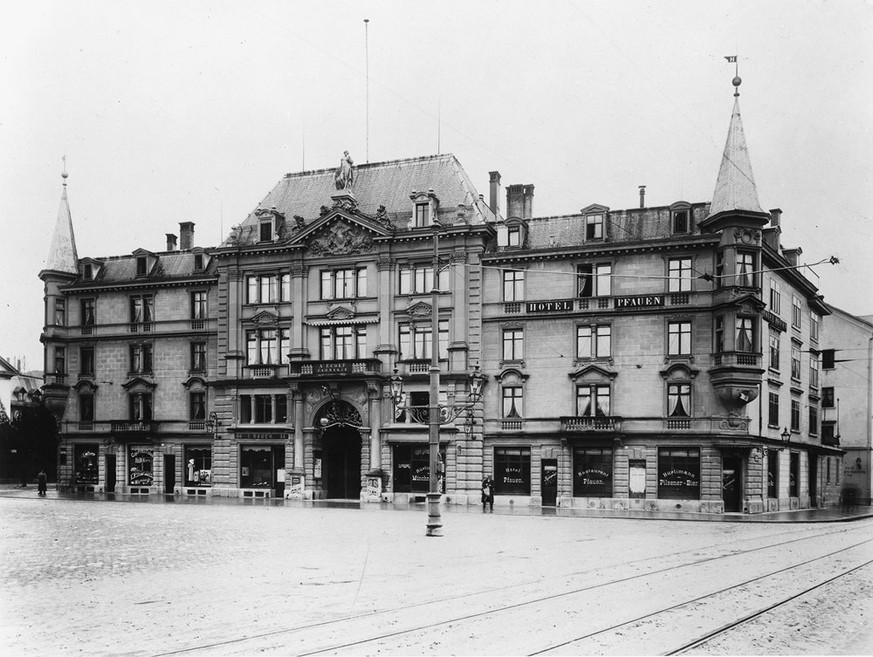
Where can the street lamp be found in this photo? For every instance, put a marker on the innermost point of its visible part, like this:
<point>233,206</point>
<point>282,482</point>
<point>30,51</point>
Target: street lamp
<point>786,436</point>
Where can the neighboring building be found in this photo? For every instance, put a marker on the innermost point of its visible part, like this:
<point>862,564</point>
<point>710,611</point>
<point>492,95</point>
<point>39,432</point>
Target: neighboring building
<point>847,399</point>
<point>631,356</point>
<point>17,388</point>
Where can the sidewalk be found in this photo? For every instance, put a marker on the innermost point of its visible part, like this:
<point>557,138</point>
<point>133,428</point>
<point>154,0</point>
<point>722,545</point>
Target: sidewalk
<point>830,514</point>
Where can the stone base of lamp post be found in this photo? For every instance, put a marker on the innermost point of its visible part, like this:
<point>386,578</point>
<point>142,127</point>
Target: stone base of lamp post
<point>434,520</point>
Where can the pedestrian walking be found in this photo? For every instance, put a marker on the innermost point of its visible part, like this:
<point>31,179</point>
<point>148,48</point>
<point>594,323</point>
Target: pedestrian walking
<point>487,492</point>
<point>41,482</point>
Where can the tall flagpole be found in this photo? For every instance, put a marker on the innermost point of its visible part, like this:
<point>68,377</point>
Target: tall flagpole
<point>367,66</point>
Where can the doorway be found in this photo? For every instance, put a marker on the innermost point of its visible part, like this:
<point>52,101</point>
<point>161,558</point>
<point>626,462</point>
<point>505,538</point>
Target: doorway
<point>169,474</point>
<point>110,473</point>
<point>813,481</point>
<point>342,463</point>
<point>731,483</point>
<point>549,482</point>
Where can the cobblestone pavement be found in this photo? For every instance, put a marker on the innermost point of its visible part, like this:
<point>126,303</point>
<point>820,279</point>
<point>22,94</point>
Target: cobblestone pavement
<point>88,577</point>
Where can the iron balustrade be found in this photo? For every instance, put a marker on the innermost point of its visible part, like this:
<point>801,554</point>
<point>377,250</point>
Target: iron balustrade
<point>571,423</point>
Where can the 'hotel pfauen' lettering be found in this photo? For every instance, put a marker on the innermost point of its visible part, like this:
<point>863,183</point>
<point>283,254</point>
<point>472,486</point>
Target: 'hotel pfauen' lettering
<point>646,301</point>
<point>550,306</point>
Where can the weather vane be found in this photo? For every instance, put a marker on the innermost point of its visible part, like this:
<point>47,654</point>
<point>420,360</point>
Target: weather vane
<point>737,81</point>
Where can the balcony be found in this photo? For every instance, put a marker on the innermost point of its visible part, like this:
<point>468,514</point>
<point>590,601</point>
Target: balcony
<point>266,371</point>
<point>325,368</point>
<point>134,426</point>
<point>736,358</point>
<point>586,423</point>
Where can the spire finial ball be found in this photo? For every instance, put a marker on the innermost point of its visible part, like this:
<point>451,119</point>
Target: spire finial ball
<point>737,81</point>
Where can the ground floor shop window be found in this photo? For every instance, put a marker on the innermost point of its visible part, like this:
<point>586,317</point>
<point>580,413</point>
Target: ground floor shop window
<point>678,474</point>
<point>592,472</point>
<point>198,466</point>
<point>258,465</point>
<point>139,466</point>
<point>412,468</point>
<point>512,470</point>
<point>85,461</point>
<point>794,475</point>
<point>636,479</point>
<point>772,474</point>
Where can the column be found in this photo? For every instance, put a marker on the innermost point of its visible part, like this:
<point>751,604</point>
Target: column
<point>298,293</point>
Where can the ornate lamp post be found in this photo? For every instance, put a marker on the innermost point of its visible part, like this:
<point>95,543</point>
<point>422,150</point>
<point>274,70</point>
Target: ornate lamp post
<point>436,415</point>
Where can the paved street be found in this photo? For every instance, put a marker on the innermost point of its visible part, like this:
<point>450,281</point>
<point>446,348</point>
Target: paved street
<point>98,577</point>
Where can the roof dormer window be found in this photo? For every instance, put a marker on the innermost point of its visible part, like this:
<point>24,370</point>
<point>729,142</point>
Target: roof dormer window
<point>141,265</point>
<point>680,221</point>
<point>198,262</point>
<point>513,236</point>
<point>266,230</point>
<point>594,227</point>
<point>422,214</point>
<point>87,272</point>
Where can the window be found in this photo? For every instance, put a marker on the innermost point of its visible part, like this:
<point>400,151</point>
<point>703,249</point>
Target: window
<point>85,463</point>
<point>827,434</point>
<point>512,470</point>
<point>514,236</point>
<point>266,231</point>
<point>827,397</point>
<point>772,473</point>
<point>592,472</point>
<point>419,279</point>
<point>60,312</point>
<point>513,402</point>
<point>60,360</point>
<point>795,361</point>
<point>139,466</point>
<point>86,407</point>
<point>88,312</point>
<point>412,468</point>
<point>197,406</point>
<point>594,280</point>
<point>513,347</point>
<point>198,356</point>
<point>745,269</point>
<point>140,406</point>
<point>794,475</point>
<point>828,480</point>
<point>774,351</point>
<point>679,275</point>
<point>285,286</point>
<point>141,266</point>
<point>513,285</point>
<point>795,415</point>
<point>258,464</point>
<point>813,420</point>
<point>416,339</point>
<point>198,304</point>
<point>680,221</point>
<point>86,361</point>
<point>281,405</point>
<point>827,359</point>
<point>814,364</point>
<point>678,474</point>
<point>141,309</point>
<point>814,324</point>
<point>593,341</point>
<point>141,359</point>
<point>344,283</point>
<point>594,227</point>
<point>267,346</point>
<point>796,312</point>
<point>88,272</point>
<point>719,335</point>
<point>343,342</point>
<point>745,337</point>
<point>773,410</point>
<point>775,297</point>
<point>198,262</point>
<point>719,269</point>
<point>679,400</point>
<point>678,338</point>
<point>198,466</point>
<point>422,214</point>
<point>263,409</point>
<point>262,289</point>
<point>593,400</point>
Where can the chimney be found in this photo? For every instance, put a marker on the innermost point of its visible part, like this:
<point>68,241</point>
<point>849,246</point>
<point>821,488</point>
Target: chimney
<point>527,212</point>
<point>775,217</point>
<point>642,196</point>
<point>186,235</point>
<point>171,242</point>
<point>494,183</point>
<point>791,255</point>
<point>514,201</point>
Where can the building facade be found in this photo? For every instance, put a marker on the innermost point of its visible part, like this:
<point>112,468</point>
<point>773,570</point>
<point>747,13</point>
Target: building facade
<point>656,358</point>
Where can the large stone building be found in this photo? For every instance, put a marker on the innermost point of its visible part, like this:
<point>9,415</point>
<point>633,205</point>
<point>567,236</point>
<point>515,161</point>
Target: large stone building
<point>651,357</point>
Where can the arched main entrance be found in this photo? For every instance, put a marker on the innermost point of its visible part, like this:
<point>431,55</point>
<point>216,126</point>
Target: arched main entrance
<point>342,462</point>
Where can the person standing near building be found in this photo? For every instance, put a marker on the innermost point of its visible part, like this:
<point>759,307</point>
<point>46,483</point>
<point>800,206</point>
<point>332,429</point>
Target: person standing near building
<point>487,492</point>
<point>41,482</point>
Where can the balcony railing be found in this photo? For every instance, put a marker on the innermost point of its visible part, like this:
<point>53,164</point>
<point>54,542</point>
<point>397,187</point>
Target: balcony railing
<point>736,358</point>
<point>134,426</point>
<point>56,377</point>
<point>512,425</point>
<point>590,423</point>
<point>266,371</point>
<point>679,424</point>
<point>336,367</point>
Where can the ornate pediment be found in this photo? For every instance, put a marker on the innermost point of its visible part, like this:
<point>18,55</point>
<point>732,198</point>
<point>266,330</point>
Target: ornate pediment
<point>264,318</point>
<point>340,238</point>
<point>340,313</point>
<point>420,309</point>
<point>592,373</point>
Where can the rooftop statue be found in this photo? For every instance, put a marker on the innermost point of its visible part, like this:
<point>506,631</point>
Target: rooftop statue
<point>345,174</point>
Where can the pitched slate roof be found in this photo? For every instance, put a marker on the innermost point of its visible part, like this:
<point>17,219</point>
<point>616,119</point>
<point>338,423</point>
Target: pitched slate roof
<point>735,187</point>
<point>377,183</point>
<point>62,253</point>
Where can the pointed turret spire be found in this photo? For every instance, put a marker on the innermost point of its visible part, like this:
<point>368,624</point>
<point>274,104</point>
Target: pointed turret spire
<point>62,255</point>
<point>735,187</point>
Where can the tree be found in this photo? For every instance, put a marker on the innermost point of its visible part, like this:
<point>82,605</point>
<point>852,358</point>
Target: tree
<point>29,442</point>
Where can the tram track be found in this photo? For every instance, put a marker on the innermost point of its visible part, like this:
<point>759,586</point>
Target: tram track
<point>369,621</point>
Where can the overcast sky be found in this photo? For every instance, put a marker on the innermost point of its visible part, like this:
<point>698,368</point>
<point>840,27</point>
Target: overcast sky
<point>192,111</point>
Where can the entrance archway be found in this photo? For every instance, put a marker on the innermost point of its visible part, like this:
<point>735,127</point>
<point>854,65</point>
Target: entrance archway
<point>342,462</point>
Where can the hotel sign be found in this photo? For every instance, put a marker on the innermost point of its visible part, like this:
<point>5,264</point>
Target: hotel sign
<point>561,305</point>
<point>642,301</point>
